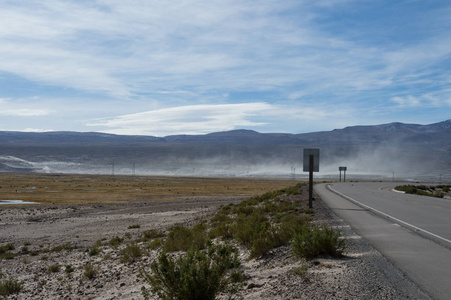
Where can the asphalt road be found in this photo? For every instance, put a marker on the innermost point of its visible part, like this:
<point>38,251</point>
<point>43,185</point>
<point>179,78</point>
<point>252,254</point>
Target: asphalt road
<point>413,232</point>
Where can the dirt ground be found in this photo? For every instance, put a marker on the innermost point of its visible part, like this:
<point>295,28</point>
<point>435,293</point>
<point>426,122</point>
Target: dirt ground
<point>69,231</point>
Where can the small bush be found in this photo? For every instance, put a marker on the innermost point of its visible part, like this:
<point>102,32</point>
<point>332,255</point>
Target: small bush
<point>69,269</point>
<point>5,251</point>
<point>301,271</point>
<point>131,253</point>
<point>182,238</point>
<point>9,287</point>
<point>55,268</point>
<point>90,271</point>
<point>221,226</point>
<point>94,251</point>
<point>6,248</point>
<point>197,275</point>
<point>156,243</point>
<point>312,241</point>
<point>7,255</point>
<point>248,227</point>
<point>152,234</point>
<point>115,242</point>
<point>134,226</point>
<point>58,248</point>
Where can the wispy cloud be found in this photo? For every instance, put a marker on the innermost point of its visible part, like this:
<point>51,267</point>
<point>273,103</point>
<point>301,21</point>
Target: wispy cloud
<point>407,101</point>
<point>201,119</point>
<point>8,107</point>
<point>194,119</point>
<point>187,54</point>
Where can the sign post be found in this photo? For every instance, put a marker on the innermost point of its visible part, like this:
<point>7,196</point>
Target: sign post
<point>344,172</point>
<point>311,164</point>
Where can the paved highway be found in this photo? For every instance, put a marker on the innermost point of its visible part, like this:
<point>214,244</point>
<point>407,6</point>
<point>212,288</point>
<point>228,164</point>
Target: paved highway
<point>413,232</point>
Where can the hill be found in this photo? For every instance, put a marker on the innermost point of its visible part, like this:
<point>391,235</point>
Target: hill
<point>406,149</point>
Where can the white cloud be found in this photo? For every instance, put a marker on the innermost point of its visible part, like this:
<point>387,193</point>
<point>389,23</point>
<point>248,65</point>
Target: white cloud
<point>406,101</point>
<point>24,112</point>
<point>21,108</point>
<point>433,99</point>
<point>121,48</point>
<point>201,119</point>
<point>36,130</point>
<point>194,119</point>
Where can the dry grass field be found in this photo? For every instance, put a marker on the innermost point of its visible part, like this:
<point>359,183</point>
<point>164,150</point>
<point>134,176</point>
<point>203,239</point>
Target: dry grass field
<point>83,189</point>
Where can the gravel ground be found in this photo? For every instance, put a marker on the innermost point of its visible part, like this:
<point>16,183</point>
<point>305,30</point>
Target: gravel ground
<point>362,274</point>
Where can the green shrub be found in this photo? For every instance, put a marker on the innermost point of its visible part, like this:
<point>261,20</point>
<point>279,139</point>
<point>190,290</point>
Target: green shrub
<point>221,226</point>
<point>7,255</point>
<point>131,253</point>
<point>9,287</point>
<point>251,222</point>
<point>94,251</point>
<point>423,190</point>
<point>301,271</point>
<point>154,244</point>
<point>276,235</point>
<point>69,269</point>
<point>134,226</point>
<point>182,238</point>
<point>55,268</point>
<point>197,275</point>
<point>6,248</point>
<point>90,271</point>
<point>58,248</point>
<point>5,251</point>
<point>247,228</point>
<point>115,242</point>
<point>152,234</point>
<point>312,241</point>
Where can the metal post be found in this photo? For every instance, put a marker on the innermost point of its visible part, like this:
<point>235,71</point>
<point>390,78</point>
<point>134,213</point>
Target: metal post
<point>310,198</point>
<point>340,175</point>
<point>344,176</point>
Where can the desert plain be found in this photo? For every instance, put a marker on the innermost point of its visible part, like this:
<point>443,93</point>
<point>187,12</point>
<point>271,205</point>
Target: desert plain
<point>51,242</point>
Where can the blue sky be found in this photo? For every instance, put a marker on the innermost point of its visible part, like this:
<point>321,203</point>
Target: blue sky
<point>194,67</point>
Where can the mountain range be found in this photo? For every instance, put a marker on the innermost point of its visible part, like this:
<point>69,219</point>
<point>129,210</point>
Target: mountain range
<point>410,150</point>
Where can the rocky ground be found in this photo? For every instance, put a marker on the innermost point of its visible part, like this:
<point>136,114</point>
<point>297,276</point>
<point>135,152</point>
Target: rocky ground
<point>52,246</point>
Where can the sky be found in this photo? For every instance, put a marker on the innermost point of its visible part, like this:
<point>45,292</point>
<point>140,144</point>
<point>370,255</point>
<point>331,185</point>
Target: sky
<point>193,67</point>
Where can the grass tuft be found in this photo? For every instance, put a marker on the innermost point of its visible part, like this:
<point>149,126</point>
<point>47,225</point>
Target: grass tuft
<point>10,286</point>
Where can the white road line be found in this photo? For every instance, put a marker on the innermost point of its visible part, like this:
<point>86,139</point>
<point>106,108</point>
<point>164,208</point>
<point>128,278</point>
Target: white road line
<point>415,228</point>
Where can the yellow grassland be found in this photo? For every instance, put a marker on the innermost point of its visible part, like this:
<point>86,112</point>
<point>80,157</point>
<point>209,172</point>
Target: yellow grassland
<point>80,189</point>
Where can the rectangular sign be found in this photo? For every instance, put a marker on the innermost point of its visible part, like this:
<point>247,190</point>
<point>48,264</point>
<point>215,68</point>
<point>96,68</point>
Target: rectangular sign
<point>315,153</point>
<point>342,168</point>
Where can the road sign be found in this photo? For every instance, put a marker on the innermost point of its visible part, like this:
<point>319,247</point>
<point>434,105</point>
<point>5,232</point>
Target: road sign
<point>344,172</point>
<point>315,153</point>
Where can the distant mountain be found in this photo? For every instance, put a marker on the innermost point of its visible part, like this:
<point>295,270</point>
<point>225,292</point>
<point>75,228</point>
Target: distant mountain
<point>386,148</point>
